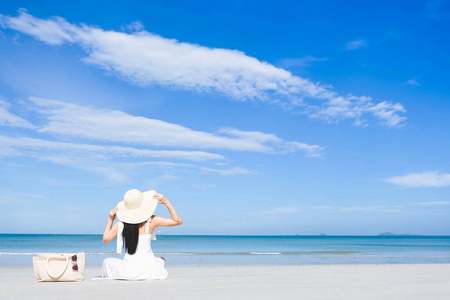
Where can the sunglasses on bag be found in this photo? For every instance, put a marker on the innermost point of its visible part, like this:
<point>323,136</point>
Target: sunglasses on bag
<point>74,262</point>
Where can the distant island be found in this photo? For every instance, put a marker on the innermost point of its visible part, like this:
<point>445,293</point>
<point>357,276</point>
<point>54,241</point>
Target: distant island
<point>393,234</point>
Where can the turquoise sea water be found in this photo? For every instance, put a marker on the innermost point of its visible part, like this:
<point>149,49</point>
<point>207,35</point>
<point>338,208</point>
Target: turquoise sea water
<point>293,250</point>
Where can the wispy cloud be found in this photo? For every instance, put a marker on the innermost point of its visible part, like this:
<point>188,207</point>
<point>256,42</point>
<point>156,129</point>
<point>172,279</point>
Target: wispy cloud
<point>352,107</point>
<point>115,126</point>
<point>133,27</point>
<point>145,58</point>
<point>412,81</point>
<point>9,119</point>
<point>302,62</point>
<point>74,122</point>
<point>112,162</point>
<point>22,146</point>
<point>357,44</point>
<point>281,145</point>
<point>422,179</point>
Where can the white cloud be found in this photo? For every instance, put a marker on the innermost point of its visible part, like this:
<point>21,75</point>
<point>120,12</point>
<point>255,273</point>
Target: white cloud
<point>357,44</point>
<point>303,62</point>
<point>9,119</point>
<point>280,210</point>
<point>10,146</point>
<point>133,27</point>
<point>412,81</point>
<point>422,179</point>
<point>71,120</point>
<point>145,58</point>
<point>109,161</point>
<point>352,107</point>
<point>116,126</point>
<point>53,32</point>
<point>388,112</point>
<point>281,145</point>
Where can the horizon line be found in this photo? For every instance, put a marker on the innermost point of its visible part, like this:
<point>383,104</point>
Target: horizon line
<point>319,235</point>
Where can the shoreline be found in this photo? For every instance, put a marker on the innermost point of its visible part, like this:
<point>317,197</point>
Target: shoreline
<point>326,258</point>
<point>383,281</point>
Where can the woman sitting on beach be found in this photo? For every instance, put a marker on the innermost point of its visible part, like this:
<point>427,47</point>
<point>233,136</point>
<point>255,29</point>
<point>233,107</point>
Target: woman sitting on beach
<point>137,227</point>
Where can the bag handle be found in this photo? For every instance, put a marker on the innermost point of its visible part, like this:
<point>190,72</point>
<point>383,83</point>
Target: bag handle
<point>63,270</point>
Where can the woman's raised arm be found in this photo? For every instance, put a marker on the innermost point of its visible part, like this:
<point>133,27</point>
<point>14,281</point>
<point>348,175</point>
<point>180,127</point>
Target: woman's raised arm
<point>110,231</point>
<point>158,221</point>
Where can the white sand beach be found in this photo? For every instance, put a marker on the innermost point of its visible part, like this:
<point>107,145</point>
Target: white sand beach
<point>401,281</point>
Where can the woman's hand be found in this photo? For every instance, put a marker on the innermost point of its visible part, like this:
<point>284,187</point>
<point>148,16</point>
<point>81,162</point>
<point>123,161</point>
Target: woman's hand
<point>161,198</point>
<point>158,221</point>
<point>112,214</point>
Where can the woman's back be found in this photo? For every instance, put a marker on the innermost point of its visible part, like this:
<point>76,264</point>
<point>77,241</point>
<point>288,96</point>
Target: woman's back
<point>141,265</point>
<point>145,239</point>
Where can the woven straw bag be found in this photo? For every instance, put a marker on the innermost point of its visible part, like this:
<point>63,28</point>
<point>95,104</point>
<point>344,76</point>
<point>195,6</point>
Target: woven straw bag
<point>59,266</point>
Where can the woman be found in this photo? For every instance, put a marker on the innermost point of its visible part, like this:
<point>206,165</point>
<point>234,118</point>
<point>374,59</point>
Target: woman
<point>137,227</point>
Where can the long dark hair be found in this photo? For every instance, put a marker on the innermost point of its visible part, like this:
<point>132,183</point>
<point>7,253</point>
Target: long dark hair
<point>131,236</point>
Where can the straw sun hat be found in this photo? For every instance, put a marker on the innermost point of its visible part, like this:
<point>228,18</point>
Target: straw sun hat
<point>136,207</point>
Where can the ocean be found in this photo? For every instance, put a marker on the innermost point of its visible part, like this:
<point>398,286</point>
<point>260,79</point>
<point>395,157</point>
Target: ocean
<point>17,249</point>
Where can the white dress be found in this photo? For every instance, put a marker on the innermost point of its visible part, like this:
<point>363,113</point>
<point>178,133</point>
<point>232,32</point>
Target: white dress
<point>142,265</point>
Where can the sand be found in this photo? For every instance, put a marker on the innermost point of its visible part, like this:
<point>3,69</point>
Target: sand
<point>401,281</point>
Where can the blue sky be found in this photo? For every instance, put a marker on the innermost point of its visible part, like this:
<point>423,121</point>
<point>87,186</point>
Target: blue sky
<point>253,117</point>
